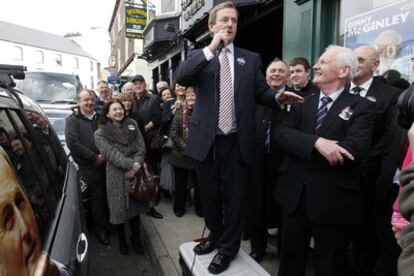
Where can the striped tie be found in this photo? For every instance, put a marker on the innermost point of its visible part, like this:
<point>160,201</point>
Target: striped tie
<point>226,95</point>
<point>322,111</point>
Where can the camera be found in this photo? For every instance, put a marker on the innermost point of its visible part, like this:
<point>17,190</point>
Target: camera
<point>405,105</point>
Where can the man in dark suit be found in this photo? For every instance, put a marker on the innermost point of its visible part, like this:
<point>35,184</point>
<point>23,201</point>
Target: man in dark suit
<point>222,137</point>
<point>384,96</point>
<point>262,210</point>
<point>318,184</point>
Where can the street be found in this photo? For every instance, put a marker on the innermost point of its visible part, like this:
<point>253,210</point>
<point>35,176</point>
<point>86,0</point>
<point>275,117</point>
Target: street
<point>107,261</point>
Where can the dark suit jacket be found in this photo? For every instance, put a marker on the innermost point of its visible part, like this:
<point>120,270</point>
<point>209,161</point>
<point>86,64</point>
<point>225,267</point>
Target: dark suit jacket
<point>385,97</point>
<point>331,193</point>
<point>249,86</point>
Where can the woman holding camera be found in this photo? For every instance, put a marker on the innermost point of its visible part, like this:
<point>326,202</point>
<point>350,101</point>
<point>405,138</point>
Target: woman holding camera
<point>121,143</point>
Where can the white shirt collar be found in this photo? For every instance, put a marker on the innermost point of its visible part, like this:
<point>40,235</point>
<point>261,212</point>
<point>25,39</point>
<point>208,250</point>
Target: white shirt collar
<point>364,86</point>
<point>89,117</point>
<point>334,95</point>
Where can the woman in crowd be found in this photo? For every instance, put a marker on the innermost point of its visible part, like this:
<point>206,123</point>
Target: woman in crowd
<point>183,165</point>
<point>126,101</point>
<point>121,143</point>
<point>180,93</point>
<point>167,172</point>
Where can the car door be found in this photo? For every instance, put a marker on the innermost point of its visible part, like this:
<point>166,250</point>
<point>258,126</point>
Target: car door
<point>48,196</point>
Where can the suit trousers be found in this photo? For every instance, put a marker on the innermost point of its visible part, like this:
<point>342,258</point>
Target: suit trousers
<point>330,245</point>
<point>223,178</point>
<point>95,179</point>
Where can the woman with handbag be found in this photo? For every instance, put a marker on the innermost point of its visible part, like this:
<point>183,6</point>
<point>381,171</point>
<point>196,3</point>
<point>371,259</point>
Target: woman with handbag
<point>183,165</point>
<point>121,143</point>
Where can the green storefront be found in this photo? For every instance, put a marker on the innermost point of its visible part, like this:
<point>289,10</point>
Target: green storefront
<point>310,26</point>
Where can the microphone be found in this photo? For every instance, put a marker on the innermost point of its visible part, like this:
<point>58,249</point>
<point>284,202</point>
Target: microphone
<point>220,48</point>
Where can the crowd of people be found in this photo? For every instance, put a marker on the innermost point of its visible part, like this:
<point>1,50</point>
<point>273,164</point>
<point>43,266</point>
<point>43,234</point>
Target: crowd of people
<point>315,159</point>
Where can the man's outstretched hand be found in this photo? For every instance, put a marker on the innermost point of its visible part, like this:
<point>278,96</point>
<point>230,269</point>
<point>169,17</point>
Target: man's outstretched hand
<point>287,97</point>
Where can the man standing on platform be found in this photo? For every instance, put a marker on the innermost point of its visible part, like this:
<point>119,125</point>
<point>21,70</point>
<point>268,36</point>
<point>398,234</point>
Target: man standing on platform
<point>222,138</point>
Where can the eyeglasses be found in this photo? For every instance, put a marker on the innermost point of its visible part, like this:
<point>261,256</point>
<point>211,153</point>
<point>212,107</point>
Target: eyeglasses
<point>362,60</point>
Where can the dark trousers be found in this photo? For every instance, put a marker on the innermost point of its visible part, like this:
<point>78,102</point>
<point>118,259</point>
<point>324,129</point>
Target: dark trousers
<point>223,178</point>
<point>180,194</point>
<point>330,245</point>
<point>95,179</point>
<point>262,210</point>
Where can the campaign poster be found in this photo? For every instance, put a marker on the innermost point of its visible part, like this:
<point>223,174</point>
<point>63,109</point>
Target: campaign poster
<point>390,30</point>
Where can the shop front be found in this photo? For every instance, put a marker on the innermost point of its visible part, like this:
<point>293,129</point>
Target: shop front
<point>384,24</point>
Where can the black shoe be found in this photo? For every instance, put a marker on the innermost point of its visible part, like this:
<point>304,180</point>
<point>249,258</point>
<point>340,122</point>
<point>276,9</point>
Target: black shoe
<point>204,247</point>
<point>257,255</point>
<point>103,238</point>
<point>153,213</point>
<point>199,213</point>
<point>136,244</point>
<point>111,229</point>
<point>219,263</point>
<point>123,248</point>
<point>179,213</point>
<point>245,236</point>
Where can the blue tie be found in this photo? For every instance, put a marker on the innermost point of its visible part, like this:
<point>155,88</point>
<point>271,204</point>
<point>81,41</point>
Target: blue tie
<point>267,138</point>
<point>322,111</point>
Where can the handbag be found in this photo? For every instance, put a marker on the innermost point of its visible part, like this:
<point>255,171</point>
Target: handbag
<point>167,145</point>
<point>157,141</point>
<point>144,185</point>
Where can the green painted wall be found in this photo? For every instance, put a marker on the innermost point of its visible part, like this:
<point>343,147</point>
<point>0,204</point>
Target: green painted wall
<point>308,28</point>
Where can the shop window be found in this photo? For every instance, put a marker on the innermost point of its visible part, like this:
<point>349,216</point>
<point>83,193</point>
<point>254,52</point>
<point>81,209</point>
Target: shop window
<point>38,57</point>
<point>18,53</point>
<point>385,25</point>
<point>75,63</point>
<point>58,59</point>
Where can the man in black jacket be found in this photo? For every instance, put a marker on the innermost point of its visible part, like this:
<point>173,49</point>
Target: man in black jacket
<point>299,76</point>
<point>147,112</point>
<point>79,133</point>
<point>384,96</point>
<point>318,183</point>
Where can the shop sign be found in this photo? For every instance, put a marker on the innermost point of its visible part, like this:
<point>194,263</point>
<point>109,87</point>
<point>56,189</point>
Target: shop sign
<point>193,10</point>
<point>389,30</point>
<point>135,20</point>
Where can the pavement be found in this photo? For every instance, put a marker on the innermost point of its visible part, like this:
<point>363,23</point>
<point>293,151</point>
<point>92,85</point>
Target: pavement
<point>162,238</point>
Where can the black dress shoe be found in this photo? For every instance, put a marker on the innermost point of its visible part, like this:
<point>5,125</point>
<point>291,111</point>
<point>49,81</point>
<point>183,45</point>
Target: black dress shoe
<point>178,213</point>
<point>204,247</point>
<point>219,263</point>
<point>103,238</point>
<point>257,255</point>
<point>137,246</point>
<point>153,213</point>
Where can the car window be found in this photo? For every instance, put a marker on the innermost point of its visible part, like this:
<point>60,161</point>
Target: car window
<point>28,157</point>
<point>50,87</point>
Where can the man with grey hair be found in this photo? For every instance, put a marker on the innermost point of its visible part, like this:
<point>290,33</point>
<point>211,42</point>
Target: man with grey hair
<point>128,88</point>
<point>161,85</point>
<point>318,184</point>
<point>377,191</point>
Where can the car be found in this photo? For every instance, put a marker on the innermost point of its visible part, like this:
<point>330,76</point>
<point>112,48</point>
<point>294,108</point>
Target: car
<point>42,224</point>
<point>51,90</point>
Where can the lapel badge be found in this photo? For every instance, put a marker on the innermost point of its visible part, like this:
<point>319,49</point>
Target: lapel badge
<point>371,98</point>
<point>346,113</point>
<point>131,127</point>
<point>241,61</point>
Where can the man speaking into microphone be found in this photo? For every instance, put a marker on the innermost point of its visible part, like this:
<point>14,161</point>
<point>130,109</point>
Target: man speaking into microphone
<point>222,139</point>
